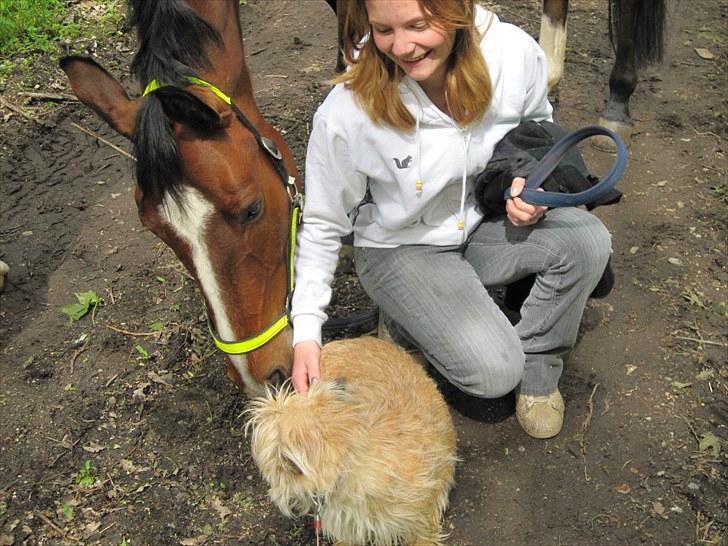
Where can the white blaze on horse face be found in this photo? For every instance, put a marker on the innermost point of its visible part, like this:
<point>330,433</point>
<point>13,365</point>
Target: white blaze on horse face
<point>189,222</point>
<point>552,40</point>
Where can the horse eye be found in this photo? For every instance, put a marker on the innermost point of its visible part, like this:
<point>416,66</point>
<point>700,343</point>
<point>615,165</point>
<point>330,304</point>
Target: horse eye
<point>252,212</point>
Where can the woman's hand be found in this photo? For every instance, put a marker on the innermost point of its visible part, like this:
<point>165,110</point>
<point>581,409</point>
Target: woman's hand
<point>306,364</point>
<point>518,211</point>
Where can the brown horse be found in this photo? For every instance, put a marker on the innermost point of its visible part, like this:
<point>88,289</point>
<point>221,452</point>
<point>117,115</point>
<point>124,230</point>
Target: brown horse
<point>212,174</point>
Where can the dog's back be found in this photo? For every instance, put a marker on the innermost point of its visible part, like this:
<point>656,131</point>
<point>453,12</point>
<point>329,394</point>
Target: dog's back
<point>373,441</point>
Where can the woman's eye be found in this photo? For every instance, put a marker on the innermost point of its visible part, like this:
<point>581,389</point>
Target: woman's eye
<point>420,25</point>
<point>252,212</point>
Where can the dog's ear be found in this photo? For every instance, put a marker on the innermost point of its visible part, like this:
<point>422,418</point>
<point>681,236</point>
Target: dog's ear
<point>316,437</point>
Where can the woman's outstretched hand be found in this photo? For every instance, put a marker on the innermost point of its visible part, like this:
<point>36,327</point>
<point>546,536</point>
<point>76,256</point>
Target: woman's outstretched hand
<point>518,211</point>
<point>306,365</point>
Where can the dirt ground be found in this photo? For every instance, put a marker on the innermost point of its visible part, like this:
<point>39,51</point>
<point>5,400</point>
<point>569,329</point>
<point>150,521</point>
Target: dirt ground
<point>115,433</point>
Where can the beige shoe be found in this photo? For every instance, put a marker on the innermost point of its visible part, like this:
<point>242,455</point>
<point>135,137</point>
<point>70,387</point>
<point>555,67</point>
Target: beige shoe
<point>540,416</point>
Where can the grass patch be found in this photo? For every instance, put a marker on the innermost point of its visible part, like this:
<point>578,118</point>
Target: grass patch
<point>31,29</point>
<point>34,26</point>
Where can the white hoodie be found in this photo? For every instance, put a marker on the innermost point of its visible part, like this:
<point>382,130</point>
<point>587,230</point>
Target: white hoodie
<point>419,182</point>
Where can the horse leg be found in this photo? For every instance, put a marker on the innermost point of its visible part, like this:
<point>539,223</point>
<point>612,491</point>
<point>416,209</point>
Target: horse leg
<point>552,38</point>
<point>637,33</point>
<point>339,7</point>
<point>623,77</point>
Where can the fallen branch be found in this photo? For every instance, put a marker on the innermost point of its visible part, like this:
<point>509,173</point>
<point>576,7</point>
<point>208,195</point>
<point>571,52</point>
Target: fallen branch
<point>103,140</point>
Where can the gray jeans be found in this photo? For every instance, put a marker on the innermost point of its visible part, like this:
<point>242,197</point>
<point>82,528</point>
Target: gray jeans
<point>438,300</point>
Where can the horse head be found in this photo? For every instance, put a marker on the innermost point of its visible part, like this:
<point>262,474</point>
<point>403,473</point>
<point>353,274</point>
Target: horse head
<point>212,174</point>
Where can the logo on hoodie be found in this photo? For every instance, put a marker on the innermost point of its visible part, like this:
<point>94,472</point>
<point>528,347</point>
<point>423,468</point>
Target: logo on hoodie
<point>403,163</point>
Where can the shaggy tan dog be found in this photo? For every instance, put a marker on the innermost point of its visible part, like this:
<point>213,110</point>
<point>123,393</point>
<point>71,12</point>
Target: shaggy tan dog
<point>370,448</point>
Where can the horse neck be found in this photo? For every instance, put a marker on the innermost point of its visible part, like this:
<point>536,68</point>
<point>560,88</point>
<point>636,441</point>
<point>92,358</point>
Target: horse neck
<point>229,71</point>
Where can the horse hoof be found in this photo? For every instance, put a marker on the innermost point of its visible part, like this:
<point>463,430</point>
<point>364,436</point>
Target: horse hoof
<point>606,144</point>
<point>3,273</point>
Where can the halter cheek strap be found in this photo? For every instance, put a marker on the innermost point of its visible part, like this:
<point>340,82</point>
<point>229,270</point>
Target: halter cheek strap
<point>255,342</point>
<point>295,199</point>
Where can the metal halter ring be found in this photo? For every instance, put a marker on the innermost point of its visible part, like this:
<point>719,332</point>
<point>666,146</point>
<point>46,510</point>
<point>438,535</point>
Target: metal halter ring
<point>271,147</point>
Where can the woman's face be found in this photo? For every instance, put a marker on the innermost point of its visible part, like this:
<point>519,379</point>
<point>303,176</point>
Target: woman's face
<point>402,31</point>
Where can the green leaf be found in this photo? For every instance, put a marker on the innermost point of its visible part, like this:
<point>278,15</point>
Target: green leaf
<point>710,442</point>
<point>142,351</point>
<point>156,327</point>
<point>67,511</point>
<point>87,301</point>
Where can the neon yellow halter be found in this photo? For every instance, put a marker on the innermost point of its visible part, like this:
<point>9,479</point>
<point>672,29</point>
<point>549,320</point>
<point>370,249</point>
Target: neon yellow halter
<point>295,199</point>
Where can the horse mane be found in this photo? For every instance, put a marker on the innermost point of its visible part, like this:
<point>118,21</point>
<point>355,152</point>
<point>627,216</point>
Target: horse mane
<point>172,42</point>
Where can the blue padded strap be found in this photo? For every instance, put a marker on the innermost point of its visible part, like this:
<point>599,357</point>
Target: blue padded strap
<point>550,161</point>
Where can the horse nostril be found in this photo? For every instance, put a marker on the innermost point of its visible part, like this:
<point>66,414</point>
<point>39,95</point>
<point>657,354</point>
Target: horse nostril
<point>278,377</point>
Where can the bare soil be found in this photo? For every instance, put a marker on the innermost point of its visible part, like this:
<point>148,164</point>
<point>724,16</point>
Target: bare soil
<point>641,458</point>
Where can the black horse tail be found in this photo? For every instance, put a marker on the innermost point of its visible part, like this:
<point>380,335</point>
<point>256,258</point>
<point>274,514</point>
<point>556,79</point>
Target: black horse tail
<point>642,23</point>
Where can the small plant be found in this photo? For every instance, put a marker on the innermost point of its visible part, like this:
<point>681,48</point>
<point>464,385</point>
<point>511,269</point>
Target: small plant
<point>143,353</point>
<point>85,476</point>
<point>87,302</point>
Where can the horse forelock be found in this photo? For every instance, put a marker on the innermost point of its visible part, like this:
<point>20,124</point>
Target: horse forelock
<point>172,45</point>
<point>172,40</point>
<point>158,168</point>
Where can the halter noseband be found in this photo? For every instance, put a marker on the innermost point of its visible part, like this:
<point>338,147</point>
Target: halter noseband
<point>295,199</point>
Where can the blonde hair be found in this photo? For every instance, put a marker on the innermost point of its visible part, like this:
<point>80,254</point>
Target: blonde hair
<point>374,78</point>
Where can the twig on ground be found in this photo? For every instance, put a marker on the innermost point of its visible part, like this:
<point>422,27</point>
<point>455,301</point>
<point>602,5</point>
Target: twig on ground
<point>102,139</point>
<point>57,97</point>
<point>692,430</point>
<point>134,334</point>
<point>585,428</point>
<point>17,110</point>
<point>76,354</point>
<point>55,527</point>
<point>111,380</point>
<point>704,341</point>
<point>66,449</point>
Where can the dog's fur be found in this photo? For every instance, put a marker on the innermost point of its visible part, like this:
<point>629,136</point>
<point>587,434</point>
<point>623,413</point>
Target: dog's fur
<point>372,442</point>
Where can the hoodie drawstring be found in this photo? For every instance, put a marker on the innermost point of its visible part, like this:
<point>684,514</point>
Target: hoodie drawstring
<point>419,183</point>
<point>463,190</point>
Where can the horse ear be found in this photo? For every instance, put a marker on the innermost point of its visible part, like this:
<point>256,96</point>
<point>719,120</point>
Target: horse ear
<point>194,106</point>
<point>98,90</point>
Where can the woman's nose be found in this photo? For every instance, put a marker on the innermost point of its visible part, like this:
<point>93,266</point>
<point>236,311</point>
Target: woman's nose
<point>402,46</point>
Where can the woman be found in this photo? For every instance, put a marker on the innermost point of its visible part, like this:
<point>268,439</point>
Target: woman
<point>431,89</point>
